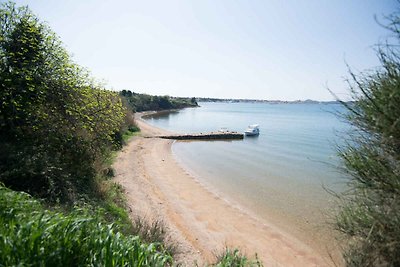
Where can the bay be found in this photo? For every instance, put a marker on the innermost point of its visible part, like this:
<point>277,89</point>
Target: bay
<point>281,175</point>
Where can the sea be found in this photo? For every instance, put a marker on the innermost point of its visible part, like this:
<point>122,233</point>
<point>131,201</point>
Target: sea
<point>289,173</point>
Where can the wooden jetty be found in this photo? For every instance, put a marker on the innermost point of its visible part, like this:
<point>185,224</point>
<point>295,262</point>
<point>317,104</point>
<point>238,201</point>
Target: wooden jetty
<point>206,136</point>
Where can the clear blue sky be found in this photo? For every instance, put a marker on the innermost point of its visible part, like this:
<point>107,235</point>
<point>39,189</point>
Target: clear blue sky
<point>272,49</point>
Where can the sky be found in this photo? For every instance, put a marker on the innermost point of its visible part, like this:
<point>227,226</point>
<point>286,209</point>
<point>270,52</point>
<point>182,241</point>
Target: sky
<point>254,49</point>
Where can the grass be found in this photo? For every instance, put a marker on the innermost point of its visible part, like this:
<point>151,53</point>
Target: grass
<point>132,131</point>
<point>234,258</point>
<point>109,198</point>
<point>30,235</point>
<point>112,206</point>
<point>154,232</point>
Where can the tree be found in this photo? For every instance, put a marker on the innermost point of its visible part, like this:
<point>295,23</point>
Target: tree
<point>56,122</point>
<point>164,103</point>
<point>370,211</point>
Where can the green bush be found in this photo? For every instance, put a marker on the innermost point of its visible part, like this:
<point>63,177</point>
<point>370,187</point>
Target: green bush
<point>133,129</point>
<point>56,123</point>
<point>31,236</point>
<point>370,216</point>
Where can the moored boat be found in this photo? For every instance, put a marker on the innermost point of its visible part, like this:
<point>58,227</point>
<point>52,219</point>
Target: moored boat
<point>252,130</point>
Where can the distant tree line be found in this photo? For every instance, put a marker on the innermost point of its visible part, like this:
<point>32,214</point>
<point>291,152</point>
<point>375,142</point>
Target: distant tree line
<point>143,102</point>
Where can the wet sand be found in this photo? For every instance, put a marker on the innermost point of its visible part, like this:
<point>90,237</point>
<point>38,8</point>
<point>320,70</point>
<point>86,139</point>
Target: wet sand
<point>202,222</point>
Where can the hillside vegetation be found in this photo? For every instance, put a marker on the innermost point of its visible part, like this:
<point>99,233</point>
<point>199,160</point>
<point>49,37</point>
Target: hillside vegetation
<point>370,214</point>
<point>143,102</point>
<point>57,125</point>
<point>33,236</point>
<point>59,130</point>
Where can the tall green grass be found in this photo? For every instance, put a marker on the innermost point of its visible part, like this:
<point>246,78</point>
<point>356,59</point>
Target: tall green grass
<point>32,236</point>
<point>234,258</point>
<point>155,231</point>
<point>111,206</point>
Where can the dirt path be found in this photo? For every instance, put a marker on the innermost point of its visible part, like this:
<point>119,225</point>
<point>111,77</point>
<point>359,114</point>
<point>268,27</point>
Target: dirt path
<point>200,221</point>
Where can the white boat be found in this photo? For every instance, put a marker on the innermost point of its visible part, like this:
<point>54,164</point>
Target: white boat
<point>252,130</point>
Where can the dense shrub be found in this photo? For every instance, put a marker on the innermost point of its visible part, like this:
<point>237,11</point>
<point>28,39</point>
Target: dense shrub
<point>56,123</point>
<point>370,215</point>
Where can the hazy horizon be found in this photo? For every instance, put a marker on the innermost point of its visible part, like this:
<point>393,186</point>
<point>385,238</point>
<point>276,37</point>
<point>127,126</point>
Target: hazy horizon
<point>286,50</point>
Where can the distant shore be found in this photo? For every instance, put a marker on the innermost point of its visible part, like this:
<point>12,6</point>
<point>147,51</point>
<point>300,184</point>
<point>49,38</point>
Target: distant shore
<point>202,222</point>
<point>232,100</point>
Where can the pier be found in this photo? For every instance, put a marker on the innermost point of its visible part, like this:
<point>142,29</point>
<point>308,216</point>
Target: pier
<point>206,136</point>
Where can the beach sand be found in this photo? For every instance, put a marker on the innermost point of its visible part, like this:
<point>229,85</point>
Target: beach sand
<point>201,222</point>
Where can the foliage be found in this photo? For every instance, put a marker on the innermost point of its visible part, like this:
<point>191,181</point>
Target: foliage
<point>132,131</point>
<point>109,205</point>
<point>56,123</point>
<point>58,128</point>
<point>32,236</point>
<point>144,102</point>
<point>233,258</point>
<point>370,214</point>
<point>154,231</point>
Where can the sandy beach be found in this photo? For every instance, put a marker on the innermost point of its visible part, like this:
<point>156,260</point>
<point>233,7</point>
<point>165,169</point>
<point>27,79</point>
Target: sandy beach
<point>202,222</point>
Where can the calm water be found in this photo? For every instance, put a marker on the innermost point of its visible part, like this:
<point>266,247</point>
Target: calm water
<point>282,171</point>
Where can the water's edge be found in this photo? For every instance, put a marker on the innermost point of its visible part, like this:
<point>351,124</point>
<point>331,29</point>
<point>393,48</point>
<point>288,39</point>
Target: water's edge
<point>280,184</point>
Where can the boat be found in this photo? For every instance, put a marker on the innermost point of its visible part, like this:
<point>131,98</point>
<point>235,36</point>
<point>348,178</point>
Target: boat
<point>252,130</point>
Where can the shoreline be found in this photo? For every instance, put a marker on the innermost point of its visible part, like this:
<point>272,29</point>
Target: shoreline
<point>203,222</point>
